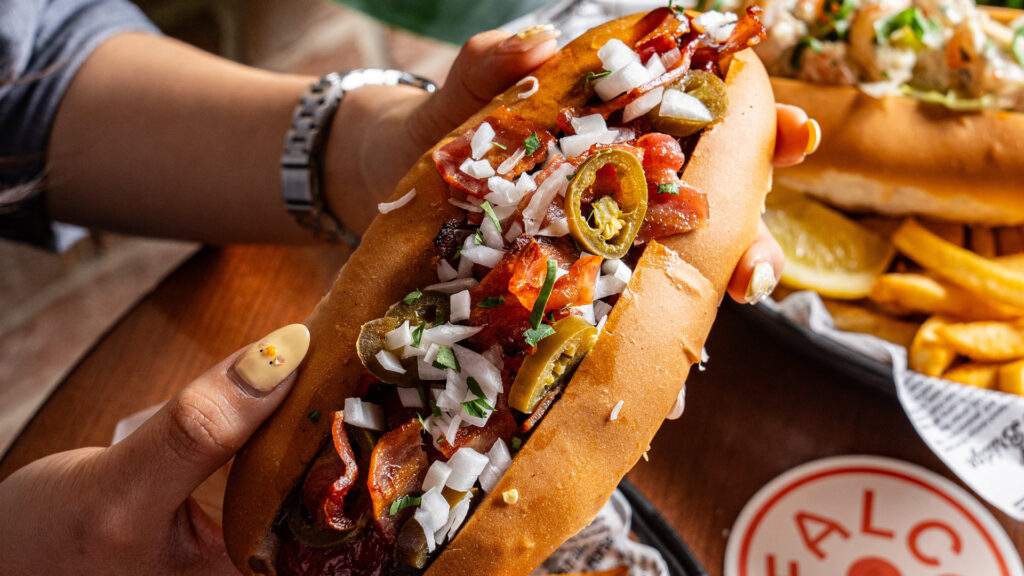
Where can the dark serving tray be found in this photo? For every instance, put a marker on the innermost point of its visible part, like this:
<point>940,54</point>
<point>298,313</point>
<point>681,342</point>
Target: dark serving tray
<point>651,528</point>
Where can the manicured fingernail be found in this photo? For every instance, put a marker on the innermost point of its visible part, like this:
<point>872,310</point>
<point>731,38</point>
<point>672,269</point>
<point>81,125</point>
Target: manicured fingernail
<point>529,38</point>
<point>762,283</point>
<point>268,362</point>
<point>813,135</point>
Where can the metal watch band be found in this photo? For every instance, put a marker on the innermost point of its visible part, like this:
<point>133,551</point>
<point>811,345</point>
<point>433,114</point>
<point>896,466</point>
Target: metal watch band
<point>302,159</point>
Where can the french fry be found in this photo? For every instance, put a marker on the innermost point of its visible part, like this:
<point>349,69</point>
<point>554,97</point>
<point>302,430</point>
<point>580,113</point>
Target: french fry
<point>1010,240</point>
<point>920,293</point>
<point>981,276</point>
<point>927,353</point>
<point>977,375</point>
<point>855,318</point>
<point>1015,262</point>
<point>985,341</point>
<point>1011,378</point>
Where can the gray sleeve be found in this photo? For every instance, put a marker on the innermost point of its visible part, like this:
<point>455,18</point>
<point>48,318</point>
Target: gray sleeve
<point>42,45</point>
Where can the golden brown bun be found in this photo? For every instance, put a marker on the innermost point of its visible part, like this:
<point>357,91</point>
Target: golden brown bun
<point>899,157</point>
<point>576,456</point>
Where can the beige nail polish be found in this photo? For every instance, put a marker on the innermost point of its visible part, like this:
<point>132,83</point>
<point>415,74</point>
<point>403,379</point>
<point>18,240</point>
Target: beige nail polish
<point>762,283</point>
<point>268,362</point>
<point>529,38</point>
<point>813,137</point>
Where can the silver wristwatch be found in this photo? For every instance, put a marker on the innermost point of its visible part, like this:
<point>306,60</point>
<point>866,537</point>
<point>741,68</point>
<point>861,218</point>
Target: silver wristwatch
<point>302,160</point>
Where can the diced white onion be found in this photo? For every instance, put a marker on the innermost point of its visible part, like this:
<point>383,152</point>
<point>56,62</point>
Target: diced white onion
<point>401,336</point>
<point>616,54</point>
<point>499,455</point>
<point>587,313</point>
<point>678,104</point>
<point>643,104</point>
<point>468,206</point>
<point>448,334</point>
<point>481,142</point>
<point>614,279</point>
<point>587,124</point>
<point>626,134</point>
<point>465,270</point>
<point>531,90</point>
<point>513,231</point>
<point>713,22</point>
<point>722,33</point>
<point>486,374</point>
<point>466,465</point>
<point>670,58</point>
<point>679,406</point>
<point>655,66</point>
<point>601,323</point>
<point>478,169</point>
<point>502,192</point>
<point>385,207</point>
<point>431,514</point>
<point>431,354</point>
<point>458,515</point>
<point>453,286</point>
<point>363,414</point>
<point>410,397</point>
<point>450,433</point>
<point>621,80</point>
<point>410,350</point>
<point>483,255</point>
<point>616,267</point>
<point>579,143</point>
<point>509,163</point>
<point>525,184</point>
<point>493,355</point>
<point>489,478</point>
<point>389,362</point>
<point>553,151</point>
<point>557,228</point>
<point>445,272</point>
<point>460,306</point>
<point>601,310</point>
<point>615,411</point>
<point>535,211</point>
<point>703,359</point>
<point>427,372</point>
<point>436,475</point>
<point>491,234</point>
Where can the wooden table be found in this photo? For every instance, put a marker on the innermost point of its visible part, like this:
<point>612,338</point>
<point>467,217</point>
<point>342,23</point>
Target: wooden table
<point>759,410</point>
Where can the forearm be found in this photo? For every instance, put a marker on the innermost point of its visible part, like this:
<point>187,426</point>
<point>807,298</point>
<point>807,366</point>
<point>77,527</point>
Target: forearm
<point>159,138</point>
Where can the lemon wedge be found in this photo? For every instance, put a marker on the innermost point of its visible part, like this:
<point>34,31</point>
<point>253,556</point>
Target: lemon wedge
<point>826,251</point>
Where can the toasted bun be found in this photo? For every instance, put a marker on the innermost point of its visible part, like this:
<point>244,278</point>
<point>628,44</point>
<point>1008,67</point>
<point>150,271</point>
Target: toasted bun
<point>897,156</point>
<point>576,456</point>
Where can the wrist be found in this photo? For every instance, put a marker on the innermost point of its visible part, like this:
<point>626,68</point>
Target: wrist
<point>369,149</point>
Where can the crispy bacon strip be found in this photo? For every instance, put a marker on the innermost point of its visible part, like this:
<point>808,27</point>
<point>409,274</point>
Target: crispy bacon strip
<point>330,479</point>
<point>397,466</point>
<point>665,28</point>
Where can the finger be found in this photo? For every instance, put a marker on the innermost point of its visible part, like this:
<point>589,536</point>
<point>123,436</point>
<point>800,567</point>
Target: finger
<point>202,427</point>
<point>796,136</point>
<point>759,269</point>
<point>488,64</point>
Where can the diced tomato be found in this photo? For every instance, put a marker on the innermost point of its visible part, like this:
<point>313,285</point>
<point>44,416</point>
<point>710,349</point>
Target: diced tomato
<point>328,481</point>
<point>663,157</point>
<point>397,465</point>
<point>573,289</point>
<point>669,214</point>
<point>665,30</point>
<point>511,132</point>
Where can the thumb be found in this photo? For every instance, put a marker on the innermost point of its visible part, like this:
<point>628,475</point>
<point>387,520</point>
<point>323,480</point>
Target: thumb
<point>486,66</point>
<point>202,427</point>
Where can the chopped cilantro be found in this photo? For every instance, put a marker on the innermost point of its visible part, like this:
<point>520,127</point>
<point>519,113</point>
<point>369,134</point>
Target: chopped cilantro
<point>807,42</point>
<point>486,206</point>
<point>446,358</point>
<point>478,238</point>
<point>403,503</point>
<point>569,177</point>
<point>491,302</point>
<point>314,416</point>
<point>497,145</point>
<point>474,386</point>
<point>535,335</point>
<point>412,297</point>
<point>1017,45</point>
<point>669,188</point>
<point>592,75</point>
<point>422,423</point>
<point>417,334</point>
<point>434,409</point>
<point>477,408</point>
<point>531,144</point>
<point>516,443</point>
<point>537,314</point>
